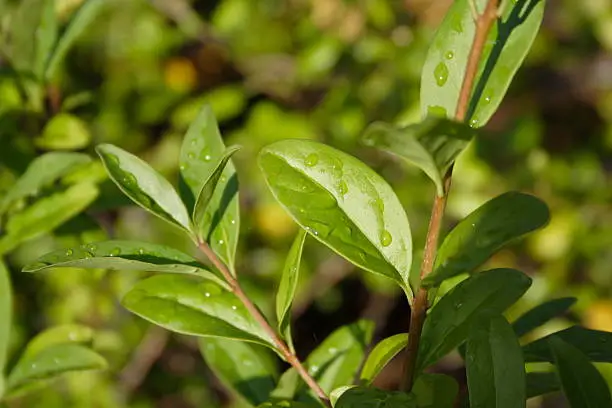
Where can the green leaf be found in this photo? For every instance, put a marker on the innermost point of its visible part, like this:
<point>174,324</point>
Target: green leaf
<point>68,333</point>
<point>505,48</point>
<point>363,397</point>
<point>288,285</point>
<point>435,391</point>
<point>432,145</point>
<point>6,316</point>
<point>287,404</point>
<point>597,345</point>
<point>144,185</point>
<point>582,384</point>
<point>196,308</point>
<point>201,223</point>
<point>495,366</point>
<point>200,152</point>
<point>242,367</point>
<point>41,172</point>
<point>46,36</point>
<point>541,314</point>
<point>46,214</point>
<point>64,132</point>
<point>125,256</point>
<point>52,362</point>
<point>381,355</point>
<point>80,20</point>
<point>342,203</point>
<point>486,230</point>
<point>482,295</point>
<point>540,383</point>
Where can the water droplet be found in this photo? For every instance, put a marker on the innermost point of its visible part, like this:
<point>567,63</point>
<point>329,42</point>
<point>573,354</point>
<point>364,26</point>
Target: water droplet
<point>141,251</point>
<point>441,74</point>
<point>207,157</point>
<point>487,99</point>
<point>223,179</point>
<point>473,122</point>
<point>332,350</point>
<point>234,308</point>
<point>449,55</point>
<point>191,155</point>
<point>314,369</point>
<point>343,187</point>
<point>183,166</point>
<point>458,305</point>
<point>221,242</point>
<point>194,142</point>
<point>312,159</point>
<point>91,248</point>
<point>385,238</point>
<point>69,252</point>
<point>115,252</point>
<point>207,294</point>
<point>233,222</point>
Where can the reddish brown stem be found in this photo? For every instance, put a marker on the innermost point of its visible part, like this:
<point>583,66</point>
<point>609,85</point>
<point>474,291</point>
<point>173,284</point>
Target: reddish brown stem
<point>484,22</point>
<point>280,345</point>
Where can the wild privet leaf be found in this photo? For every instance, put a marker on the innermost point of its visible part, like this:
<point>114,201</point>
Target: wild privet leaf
<point>495,366</point>
<point>143,185</point>
<point>6,316</point>
<point>597,345</point>
<point>363,397</point>
<point>125,256</point>
<point>432,145</point>
<point>481,296</point>
<point>435,391</point>
<point>41,172</point>
<point>506,46</point>
<point>46,214</point>
<point>540,383</point>
<point>485,231</point>
<point>206,193</point>
<point>288,285</point>
<point>64,131</point>
<point>196,308</point>
<point>335,395</point>
<point>582,384</point>
<point>68,333</point>
<point>342,203</point>
<point>244,367</point>
<point>381,355</point>
<point>51,362</point>
<point>335,361</point>
<point>201,151</point>
<point>79,21</point>
<point>541,314</point>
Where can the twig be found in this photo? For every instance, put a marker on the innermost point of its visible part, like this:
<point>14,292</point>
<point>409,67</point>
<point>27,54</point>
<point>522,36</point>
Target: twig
<point>261,320</point>
<point>483,23</point>
<point>148,351</point>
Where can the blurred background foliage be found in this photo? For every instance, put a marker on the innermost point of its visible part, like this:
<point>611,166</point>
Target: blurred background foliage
<point>276,69</point>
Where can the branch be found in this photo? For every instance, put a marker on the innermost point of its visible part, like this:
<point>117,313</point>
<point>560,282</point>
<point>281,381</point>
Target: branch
<point>280,345</point>
<point>483,22</point>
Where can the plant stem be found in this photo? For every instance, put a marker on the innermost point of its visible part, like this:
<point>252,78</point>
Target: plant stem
<point>483,22</point>
<point>280,345</point>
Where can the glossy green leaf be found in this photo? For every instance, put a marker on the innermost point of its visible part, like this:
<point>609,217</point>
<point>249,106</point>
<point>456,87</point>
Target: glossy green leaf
<point>79,21</point>
<point>197,308</point>
<point>143,185</point>
<point>597,345</point>
<point>486,230</point>
<point>381,355</point>
<point>202,148</point>
<point>46,214</point>
<point>6,317</point>
<point>505,48</point>
<point>201,223</point>
<point>68,333</point>
<point>53,361</point>
<point>42,171</point>
<point>435,391</point>
<point>432,145</point>
<point>288,285</point>
<point>541,314</point>
<point>64,132</point>
<point>540,383</point>
<point>342,203</point>
<point>337,359</point>
<point>241,366</point>
<point>495,366</point>
<point>335,395</point>
<point>482,295</point>
<point>125,256</point>
<point>363,397</point>
<point>582,384</point>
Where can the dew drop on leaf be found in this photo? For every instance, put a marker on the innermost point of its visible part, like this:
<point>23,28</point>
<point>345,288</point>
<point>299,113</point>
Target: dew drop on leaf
<point>343,187</point>
<point>385,238</point>
<point>191,155</point>
<point>449,55</point>
<point>141,251</point>
<point>115,252</point>
<point>312,159</point>
<point>441,74</point>
<point>207,157</point>
<point>91,248</point>
<point>69,252</point>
